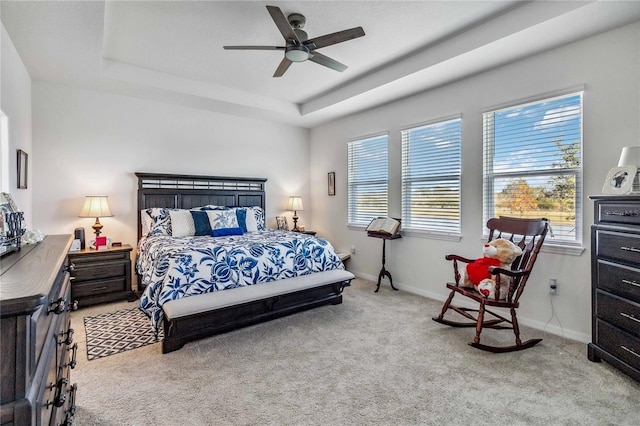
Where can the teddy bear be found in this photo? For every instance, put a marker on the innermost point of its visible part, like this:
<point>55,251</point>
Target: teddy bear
<point>498,252</point>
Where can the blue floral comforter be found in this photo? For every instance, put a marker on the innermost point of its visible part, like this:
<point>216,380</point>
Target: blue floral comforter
<point>175,267</point>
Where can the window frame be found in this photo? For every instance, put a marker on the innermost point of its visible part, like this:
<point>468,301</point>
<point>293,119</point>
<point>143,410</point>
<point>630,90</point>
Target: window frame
<point>564,246</point>
<point>354,217</point>
<point>408,179</point>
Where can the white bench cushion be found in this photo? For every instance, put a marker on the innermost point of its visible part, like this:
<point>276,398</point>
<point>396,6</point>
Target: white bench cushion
<point>235,296</point>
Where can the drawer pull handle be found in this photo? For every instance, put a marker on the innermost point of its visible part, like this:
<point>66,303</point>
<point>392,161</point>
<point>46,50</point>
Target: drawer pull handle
<point>58,306</point>
<point>74,352</point>
<point>99,288</point>
<point>633,249</point>
<point>69,339</point>
<point>631,283</point>
<point>630,350</point>
<point>631,317</point>
<point>61,394</point>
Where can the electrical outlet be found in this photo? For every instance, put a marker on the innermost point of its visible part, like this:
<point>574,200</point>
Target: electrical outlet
<point>353,249</point>
<point>553,287</point>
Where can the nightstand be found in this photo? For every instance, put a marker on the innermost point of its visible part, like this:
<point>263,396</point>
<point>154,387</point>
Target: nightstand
<point>307,232</point>
<point>100,276</point>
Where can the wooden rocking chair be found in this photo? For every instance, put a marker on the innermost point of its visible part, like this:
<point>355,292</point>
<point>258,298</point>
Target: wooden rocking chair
<point>528,234</point>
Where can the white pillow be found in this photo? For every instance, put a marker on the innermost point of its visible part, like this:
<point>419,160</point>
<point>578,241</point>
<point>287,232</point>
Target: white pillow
<point>146,221</point>
<point>252,224</point>
<point>182,224</point>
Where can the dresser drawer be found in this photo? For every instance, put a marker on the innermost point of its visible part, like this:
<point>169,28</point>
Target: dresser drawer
<point>99,287</point>
<point>619,312</point>
<point>624,247</point>
<point>94,256</point>
<point>56,306</point>
<point>618,343</point>
<point>613,212</point>
<point>618,279</point>
<point>96,272</point>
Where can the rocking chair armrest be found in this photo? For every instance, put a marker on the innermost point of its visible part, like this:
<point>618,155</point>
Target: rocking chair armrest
<point>458,258</point>
<point>494,270</point>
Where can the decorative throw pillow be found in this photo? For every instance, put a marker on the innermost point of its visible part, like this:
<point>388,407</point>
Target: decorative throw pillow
<point>161,221</point>
<point>187,223</point>
<point>223,232</point>
<point>258,216</point>
<point>222,219</point>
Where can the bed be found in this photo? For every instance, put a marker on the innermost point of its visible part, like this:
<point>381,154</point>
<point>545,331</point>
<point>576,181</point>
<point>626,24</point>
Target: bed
<point>234,273</point>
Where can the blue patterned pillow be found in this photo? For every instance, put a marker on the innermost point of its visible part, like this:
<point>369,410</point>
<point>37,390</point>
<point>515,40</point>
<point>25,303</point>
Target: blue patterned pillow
<point>161,221</point>
<point>222,219</point>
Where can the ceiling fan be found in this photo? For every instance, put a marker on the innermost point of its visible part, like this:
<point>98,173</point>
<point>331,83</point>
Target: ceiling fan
<point>298,46</point>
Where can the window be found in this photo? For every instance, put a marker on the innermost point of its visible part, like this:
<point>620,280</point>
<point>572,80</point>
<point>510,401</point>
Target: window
<point>533,164</point>
<point>431,169</point>
<point>368,171</point>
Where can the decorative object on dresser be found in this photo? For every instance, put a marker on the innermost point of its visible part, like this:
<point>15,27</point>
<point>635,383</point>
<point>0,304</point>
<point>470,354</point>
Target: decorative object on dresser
<point>281,223</point>
<point>295,204</point>
<point>96,206</point>
<point>11,225</point>
<point>37,342</point>
<point>101,276</point>
<point>630,156</point>
<point>615,283</point>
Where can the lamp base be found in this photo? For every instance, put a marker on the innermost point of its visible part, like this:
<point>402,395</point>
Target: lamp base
<point>295,222</point>
<point>97,227</point>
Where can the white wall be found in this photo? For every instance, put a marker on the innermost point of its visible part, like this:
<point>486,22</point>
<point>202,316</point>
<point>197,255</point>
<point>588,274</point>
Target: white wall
<point>607,65</point>
<point>91,143</point>
<point>15,103</point>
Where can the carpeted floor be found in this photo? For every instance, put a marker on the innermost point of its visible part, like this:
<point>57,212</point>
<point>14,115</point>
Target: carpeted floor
<point>376,359</point>
<point>110,333</point>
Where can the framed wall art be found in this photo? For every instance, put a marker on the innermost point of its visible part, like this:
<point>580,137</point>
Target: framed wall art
<point>331,183</point>
<point>620,180</point>
<point>23,169</point>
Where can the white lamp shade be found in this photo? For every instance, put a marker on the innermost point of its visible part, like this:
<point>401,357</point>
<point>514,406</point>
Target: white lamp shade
<point>295,203</point>
<point>96,206</point>
<point>630,156</point>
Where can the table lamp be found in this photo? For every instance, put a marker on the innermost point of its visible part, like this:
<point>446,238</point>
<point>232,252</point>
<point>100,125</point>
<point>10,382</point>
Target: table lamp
<point>96,206</point>
<point>295,204</point>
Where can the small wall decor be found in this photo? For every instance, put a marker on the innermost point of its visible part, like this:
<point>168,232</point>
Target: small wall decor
<point>332,183</point>
<point>281,223</point>
<point>23,169</point>
<point>619,180</point>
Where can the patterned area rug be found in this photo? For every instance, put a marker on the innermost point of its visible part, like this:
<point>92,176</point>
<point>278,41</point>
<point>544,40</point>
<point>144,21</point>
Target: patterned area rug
<point>115,332</point>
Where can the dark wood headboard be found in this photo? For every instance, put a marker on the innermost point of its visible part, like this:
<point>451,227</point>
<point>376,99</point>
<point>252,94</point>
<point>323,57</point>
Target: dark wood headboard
<point>187,191</point>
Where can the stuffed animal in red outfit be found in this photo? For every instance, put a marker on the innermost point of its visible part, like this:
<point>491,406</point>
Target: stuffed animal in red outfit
<point>500,253</point>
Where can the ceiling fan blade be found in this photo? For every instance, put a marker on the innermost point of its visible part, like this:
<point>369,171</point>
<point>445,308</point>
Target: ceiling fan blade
<point>282,68</point>
<point>334,38</point>
<point>321,59</point>
<point>282,23</point>
<point>253,47</point>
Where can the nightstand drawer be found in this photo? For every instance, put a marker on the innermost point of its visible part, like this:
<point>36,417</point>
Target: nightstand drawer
<point>99,287</point>
<point>619,312</point>
<point>619,279</point>
<point>96,272</point>
<point>620,344</point>
<point>618,246</point>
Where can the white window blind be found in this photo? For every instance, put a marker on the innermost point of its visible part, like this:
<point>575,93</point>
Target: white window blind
<point>431,170</point>
<point>368,171</point>
<point>533,164</point>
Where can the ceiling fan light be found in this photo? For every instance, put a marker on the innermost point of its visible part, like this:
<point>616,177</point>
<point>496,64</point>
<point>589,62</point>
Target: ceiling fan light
<point>297,54</point>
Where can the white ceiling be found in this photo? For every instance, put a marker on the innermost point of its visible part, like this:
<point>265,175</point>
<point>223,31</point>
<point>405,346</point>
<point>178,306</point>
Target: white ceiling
<point>171,51</point>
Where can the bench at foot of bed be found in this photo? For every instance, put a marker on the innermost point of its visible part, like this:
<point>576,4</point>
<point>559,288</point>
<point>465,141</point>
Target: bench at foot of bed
<point>205,315</point>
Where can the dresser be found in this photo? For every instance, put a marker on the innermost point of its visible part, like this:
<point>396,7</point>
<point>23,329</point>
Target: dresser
<point>38,352</point>
<point>615,282</point>
<point>100,276</point>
